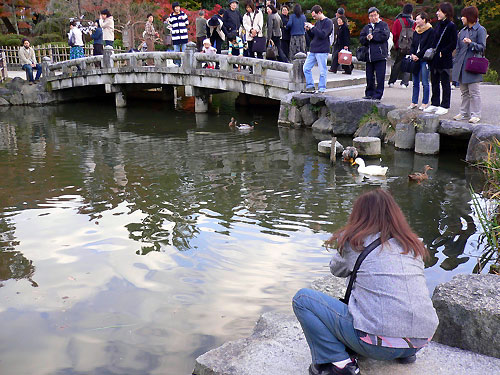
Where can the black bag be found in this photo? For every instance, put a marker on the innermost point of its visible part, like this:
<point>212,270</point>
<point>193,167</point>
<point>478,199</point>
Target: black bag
<point>410,66</point>
<point>271,51</point>
<point>259,44</point>
<point>71,40</point>
<point>431,52</point>
<point>362,53</point>
<point>367,250</point>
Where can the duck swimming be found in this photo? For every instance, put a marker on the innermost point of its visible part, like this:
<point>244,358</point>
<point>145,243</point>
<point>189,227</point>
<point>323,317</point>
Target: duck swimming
<point>350,153</point>
<point>247,126</point>
<point>374,170</point>
<point>418,176</point>
<point>232,123</point>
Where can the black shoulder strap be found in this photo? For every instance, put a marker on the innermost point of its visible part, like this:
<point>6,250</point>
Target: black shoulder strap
<point>360,259</point>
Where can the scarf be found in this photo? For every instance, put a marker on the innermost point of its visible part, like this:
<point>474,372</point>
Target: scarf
<point>424,28</point>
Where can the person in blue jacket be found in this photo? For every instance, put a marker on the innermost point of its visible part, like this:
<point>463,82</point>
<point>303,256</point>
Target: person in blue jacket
<point>375,36</point>
<point>97,38</point>
<point>319,49</point>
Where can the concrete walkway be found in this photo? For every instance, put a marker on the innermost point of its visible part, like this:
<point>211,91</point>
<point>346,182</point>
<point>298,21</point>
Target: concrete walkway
<point>400,96</point>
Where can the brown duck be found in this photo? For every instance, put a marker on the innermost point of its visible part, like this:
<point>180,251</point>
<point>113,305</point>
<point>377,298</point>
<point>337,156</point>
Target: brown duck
<point>418,176</point>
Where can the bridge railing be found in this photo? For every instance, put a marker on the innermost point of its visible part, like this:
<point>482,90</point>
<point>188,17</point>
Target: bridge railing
<point>191,61</point>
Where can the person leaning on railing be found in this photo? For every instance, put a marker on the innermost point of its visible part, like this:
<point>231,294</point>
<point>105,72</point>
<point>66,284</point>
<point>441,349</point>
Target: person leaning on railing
<point>28,62</point>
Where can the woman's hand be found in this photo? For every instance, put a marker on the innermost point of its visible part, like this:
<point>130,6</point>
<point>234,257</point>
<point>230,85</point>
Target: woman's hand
<point>467,40</point>
<point>414,57</point>
<point>346,48</point>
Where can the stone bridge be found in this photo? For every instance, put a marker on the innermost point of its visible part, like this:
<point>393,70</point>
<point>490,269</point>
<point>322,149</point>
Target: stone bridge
<point>119,73</point>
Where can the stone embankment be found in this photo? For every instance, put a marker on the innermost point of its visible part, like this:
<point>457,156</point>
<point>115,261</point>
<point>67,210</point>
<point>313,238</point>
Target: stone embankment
<point>20,92</point>
<point>403,128</point>
<point>278,346</point>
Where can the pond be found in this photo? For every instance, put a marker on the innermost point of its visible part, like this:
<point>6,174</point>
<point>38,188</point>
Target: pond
<point>131,242</point>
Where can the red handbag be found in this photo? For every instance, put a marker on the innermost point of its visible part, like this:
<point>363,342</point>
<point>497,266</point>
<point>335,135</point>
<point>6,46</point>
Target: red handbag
<point>345,57</point>
<point>477,65</point>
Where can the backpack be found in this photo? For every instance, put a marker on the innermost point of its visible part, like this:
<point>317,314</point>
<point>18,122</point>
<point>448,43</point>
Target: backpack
<point>405,37</point>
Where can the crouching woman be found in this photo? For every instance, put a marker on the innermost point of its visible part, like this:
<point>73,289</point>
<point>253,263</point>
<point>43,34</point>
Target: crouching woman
<point>389,314</point>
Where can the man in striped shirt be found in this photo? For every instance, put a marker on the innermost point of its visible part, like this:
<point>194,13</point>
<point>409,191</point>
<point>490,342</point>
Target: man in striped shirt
<point>178,22</point>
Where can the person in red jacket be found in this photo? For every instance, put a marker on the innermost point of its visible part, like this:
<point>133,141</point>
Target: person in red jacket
<point>405,18</point>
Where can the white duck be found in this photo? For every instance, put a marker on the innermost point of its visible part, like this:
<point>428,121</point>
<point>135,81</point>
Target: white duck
<point>374,170</point>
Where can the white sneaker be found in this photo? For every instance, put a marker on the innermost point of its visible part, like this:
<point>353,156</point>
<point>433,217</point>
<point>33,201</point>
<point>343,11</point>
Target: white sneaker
<point>441,111</point>
<point>474,120</point>
<point>422,107</point>
<point>460,117</point>
<point>390,85</point>
<point>430,108</point>
<point>412,106</point>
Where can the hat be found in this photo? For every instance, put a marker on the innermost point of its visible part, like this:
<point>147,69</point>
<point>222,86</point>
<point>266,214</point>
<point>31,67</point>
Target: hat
<point>341,11</point>
<point>175,4</point>
<point>408,9</point>
<point>373,9</point>
<point>205,41</point>
<point>213,21</point>
<point>233,1</point>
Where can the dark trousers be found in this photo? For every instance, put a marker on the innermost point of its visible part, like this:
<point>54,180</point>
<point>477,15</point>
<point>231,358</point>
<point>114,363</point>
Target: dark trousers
<point>199,42</point>
<point>375,72</point>
<point>281,55</point>
<point>335,63</point>
<point>440,77</point>
<point>252,54</point>
<point>285,45</point>
<point>98,48</point>
<point>396,70</point>
<point>29,71</point>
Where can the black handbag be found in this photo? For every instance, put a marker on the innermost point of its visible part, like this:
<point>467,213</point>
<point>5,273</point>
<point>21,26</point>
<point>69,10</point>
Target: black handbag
<point>410,66</point>
<point>259,44</point>
<point>362,53</point>
<point>431,52</point>
<point>271,51</point>
<point>367,250</point>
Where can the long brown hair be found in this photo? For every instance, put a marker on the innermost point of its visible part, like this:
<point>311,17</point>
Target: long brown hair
<point>373,212</point>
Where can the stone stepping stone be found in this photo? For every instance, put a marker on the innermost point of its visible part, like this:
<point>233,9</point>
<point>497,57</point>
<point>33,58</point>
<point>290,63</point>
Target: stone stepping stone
<point>368,146</point>
<point>325,146</point>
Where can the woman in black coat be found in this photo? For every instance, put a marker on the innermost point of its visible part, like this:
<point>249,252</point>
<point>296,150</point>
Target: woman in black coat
<point>343,42</point>
<point>442,61</point>
<point>423,37</point>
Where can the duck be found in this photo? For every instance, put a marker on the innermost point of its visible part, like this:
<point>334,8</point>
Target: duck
<point>350,153</point>
<point>247,126</point>
<point>232,123</point>
<point>420,176</point>
<point>374,170</point>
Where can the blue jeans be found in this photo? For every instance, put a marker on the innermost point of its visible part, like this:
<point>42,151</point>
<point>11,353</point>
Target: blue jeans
<point>109,43</point>
<point>422,76</point>
<point>29,71</point>
<point>312,59</point>
<point>328,328</point>
<point>179,48</point>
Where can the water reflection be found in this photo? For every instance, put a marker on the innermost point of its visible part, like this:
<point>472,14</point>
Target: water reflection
<point>155,235</point>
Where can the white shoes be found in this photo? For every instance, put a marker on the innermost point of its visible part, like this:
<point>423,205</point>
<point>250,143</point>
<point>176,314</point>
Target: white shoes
<point>412,106</point>
<point>460,117</point>
<point>441,111</point>
<point>474,120</point>
<point>390,85</point>
<point>430,108</point>
<point>423,107</point>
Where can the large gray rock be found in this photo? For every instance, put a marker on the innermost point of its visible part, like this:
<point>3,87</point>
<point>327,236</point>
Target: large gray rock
<point>308,114</point>
<point>480,142</point>
<point>368,146</point>
<point>345,113</point>
<point>283,115</point>
<point>3,102</point>
<point>460,129</point>
<point>405,136</point>
<point>384,109</point>
<point>427,123</point>
<point>16,84</point>
<point>468,308</point>
<point>400,115</point>
<point>277,346</point>
<point>369,129</point>
<point>323,125</point>
<point>317,99</point>
<point>294,116</point>
<point>427,143</point>
<point>300,99</point>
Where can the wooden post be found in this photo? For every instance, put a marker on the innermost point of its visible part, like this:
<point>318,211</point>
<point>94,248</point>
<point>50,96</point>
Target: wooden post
<point>333,151</point>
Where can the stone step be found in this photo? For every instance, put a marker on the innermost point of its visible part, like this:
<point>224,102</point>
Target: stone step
<point>278,346</point>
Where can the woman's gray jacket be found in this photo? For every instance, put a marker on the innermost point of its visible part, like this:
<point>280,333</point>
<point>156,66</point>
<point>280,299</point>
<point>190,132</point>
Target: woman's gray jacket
<point>477,34</point>
<point>390,296</point>
<point>274,24</point>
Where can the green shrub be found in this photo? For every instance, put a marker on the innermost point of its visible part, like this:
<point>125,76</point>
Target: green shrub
<point>118,43</point>
<point>161,47</point>
<point>11,39</point>
<point>491,76</point>
<point>47,38</point>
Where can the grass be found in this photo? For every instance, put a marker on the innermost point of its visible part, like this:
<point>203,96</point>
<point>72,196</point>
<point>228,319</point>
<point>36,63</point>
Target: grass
<point>487,207</point>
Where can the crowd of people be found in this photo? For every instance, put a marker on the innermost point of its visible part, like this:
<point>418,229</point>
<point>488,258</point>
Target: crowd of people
<point>433,57</point>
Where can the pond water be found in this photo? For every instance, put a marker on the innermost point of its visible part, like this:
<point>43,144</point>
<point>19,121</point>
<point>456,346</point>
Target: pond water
<point>133,241</point>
